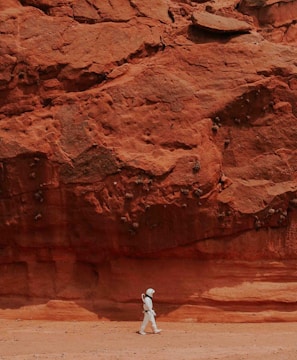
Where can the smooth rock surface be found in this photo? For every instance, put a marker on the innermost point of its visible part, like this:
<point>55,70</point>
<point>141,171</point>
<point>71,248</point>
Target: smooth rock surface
<point>219,23</point>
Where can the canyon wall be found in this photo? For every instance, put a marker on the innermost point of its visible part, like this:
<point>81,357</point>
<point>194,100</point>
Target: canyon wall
<point>148,145</point>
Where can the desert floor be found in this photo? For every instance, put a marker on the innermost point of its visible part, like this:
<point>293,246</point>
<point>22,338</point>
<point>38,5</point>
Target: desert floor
<point>25,339</point>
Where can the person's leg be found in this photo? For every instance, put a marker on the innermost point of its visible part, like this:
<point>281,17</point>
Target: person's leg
<point>154,325</point>
<point>144,323</point>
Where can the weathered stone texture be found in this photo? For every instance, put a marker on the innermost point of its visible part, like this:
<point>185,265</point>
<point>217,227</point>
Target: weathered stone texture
<point>148,146</point>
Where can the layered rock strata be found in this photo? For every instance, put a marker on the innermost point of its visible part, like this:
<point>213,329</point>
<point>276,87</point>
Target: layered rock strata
<point>148,146</point>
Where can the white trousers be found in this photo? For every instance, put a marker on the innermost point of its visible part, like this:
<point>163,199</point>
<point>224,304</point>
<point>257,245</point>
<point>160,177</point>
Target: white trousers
<point>148,316</point>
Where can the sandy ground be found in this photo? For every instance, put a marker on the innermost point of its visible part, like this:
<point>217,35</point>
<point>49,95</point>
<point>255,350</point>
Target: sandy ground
<point>24,340</point>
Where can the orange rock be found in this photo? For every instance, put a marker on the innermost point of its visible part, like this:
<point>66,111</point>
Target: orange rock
<point>137,148</point>
<point>217,23</point>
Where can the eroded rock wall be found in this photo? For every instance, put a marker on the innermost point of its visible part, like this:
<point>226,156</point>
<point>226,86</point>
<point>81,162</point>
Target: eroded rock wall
<point>148,146</point>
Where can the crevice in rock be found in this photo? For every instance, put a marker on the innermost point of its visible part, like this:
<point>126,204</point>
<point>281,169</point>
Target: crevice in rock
<point>89,21</point>
<point>171,16</point>
<point>86,80</point>
<point>83,82</point>
<point>131,171</point>
<point>175,145</point>
<point>46,102</point>
<point>84,20</point>
<point>276,71</point>
<point>145,51</point>
<point>50,72</point>
<point>200,36</point>
<point>134,6</point>
<point>42,7</point>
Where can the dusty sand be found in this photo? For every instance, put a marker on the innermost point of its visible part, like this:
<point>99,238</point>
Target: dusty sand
<point>25,339</point>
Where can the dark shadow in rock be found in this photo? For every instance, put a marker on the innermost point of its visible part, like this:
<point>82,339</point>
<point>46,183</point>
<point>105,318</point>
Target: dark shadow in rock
<point>200,36</point>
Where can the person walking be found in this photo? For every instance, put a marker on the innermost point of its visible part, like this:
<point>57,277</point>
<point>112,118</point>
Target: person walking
<point>149,313</point>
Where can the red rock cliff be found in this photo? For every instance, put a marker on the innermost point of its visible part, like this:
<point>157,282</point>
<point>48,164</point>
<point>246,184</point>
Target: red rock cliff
<point>148,146</point>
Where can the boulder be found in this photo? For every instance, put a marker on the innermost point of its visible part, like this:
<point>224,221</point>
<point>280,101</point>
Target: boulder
<point>218,23</point>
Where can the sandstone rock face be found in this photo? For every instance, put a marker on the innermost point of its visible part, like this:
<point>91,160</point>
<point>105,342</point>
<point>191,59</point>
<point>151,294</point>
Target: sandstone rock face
<point>218,23</point>
<point>281,15</point>
<point>139,150</point>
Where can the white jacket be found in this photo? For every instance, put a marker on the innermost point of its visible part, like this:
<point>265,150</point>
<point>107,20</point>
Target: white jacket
<point>147,304</point>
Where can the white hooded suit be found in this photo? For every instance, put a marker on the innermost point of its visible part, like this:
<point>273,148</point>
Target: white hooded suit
<point>148,311</point>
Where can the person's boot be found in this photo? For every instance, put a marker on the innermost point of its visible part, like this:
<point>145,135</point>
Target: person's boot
<point>157,331</point>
